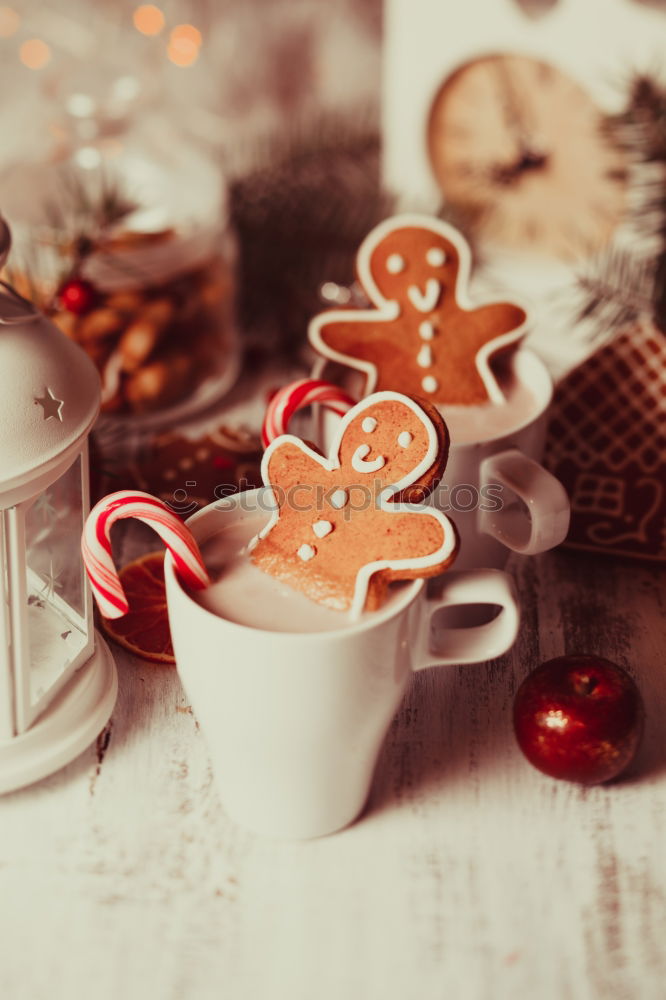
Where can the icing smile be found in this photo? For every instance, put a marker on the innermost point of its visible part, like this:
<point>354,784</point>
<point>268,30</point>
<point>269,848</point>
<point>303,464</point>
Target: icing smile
<point>361,464</point>
<point>425,301</point>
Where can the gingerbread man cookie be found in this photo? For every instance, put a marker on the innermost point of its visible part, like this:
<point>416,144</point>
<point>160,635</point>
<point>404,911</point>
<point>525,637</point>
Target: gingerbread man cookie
<point>424,337</point>
<point>346,525</point>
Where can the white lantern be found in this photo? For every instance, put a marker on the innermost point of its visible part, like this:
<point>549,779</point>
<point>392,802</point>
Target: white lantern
<point>58,682</point>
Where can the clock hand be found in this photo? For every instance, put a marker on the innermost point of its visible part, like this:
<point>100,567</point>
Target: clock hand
<point>507,174</point>
<point>510,106</point>
<point>515,115</point>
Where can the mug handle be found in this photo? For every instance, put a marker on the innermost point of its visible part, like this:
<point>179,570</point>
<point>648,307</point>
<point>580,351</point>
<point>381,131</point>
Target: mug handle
<point>547,522</point>
<point>479,642</point>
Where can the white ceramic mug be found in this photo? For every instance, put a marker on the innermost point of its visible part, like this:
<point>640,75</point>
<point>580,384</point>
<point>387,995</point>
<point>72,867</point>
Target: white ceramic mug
<point>515,504</point>
<point>532,512</point>
<point>294,721</point>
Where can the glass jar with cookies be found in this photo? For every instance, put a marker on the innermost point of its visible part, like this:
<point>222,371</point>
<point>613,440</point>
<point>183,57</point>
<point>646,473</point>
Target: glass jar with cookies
<point>126,245</point>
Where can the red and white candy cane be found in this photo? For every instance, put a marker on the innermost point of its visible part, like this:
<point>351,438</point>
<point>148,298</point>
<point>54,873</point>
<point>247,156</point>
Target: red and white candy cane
<point>96,546</point>
<point>296,396</point>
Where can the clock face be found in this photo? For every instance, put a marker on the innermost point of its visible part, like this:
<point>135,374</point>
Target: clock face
<point>518,145</point>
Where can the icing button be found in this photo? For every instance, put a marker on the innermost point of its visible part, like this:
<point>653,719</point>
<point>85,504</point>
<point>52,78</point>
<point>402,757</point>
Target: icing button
<point>339,499</point>
<point>424,359</point>
<point>306,552</point>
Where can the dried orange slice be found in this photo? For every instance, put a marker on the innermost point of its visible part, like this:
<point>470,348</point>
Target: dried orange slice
<point>144,630</point>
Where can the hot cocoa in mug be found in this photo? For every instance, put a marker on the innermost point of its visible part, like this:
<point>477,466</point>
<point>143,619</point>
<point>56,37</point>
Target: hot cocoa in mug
<point>294,698</point>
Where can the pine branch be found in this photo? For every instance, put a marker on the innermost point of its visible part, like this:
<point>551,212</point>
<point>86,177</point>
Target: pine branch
<point>81,216</point>
<point>622,285</point>
<point>78,221</point>
<point>640,130</point>
<point>618,288</point>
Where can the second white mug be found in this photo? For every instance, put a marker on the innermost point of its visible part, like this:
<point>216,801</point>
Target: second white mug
<point>499,496</point>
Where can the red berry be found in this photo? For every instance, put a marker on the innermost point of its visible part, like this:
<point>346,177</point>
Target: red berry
<point>579,718</point>
<point>77,296</point>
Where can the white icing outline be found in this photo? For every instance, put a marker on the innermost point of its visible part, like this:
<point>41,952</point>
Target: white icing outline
<point>359,463</point>
<point>387,309</point>
<point>384,501</point>
<point>425,301</point>
<point>369,425</point>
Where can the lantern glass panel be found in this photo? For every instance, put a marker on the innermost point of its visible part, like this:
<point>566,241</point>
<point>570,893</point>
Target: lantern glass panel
<point>56,592</point>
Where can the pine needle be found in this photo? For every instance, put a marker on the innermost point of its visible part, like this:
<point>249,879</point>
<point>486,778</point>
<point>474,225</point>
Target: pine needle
<point>622,285</point>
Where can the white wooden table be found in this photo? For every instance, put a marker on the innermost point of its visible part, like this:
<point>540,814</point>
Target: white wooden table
<point>469,876</point>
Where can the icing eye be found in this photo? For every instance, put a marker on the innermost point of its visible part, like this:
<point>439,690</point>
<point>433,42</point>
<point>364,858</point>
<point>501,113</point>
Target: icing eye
<point>435,256</point>
<point>395,263</point>
<point>369,425</point>
<point>405,439</point>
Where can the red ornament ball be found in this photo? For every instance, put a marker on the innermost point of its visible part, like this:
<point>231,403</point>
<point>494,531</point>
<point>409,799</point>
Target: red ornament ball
<point>77,296</point>
<point>579,718</point>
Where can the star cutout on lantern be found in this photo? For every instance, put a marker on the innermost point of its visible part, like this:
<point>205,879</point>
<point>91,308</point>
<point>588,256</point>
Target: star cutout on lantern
<point>52,581</point>
<point>50,404</point>
<point>45,507</point>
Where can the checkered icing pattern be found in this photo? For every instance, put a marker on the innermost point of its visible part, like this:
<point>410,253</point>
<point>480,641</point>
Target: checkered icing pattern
<point>613,407</point>
<point>607,443</point>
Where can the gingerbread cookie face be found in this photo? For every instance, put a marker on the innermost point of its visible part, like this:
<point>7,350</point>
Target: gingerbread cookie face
<point>424,337</point>
<point>342,529</point>
<point>412,265</point>
<point>394,447</point>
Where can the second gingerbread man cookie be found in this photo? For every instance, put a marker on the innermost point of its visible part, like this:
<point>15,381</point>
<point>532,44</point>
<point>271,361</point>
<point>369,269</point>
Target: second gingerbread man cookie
<point>424,337</point>
<point>345,526</point>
